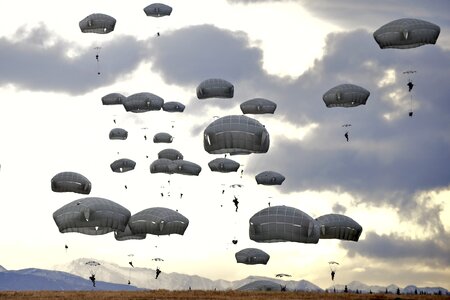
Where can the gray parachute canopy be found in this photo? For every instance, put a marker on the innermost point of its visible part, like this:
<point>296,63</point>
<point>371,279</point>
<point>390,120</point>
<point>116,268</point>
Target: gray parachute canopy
<point>173,106</point>
<point>283,224</point>
<point>162,165</point>
<point>406,33</point>
<point>336,226</point>
<point>122,165</point>
<point>158,221</point>
<point>70,182</point>
<point>128,235</point>
<point>143,102</point>
<point>158,10</point>
<point>171,154</point>
<point>113,99</point>
<point>261,285</point>
<point>258,106</point>
<point>269,178</point>
<point>185,167</point>
<point>118,134</point>
<point>252,256</point>
<point>97,23</point>
<point>92,216</point>
<point>236,135</point>
<point>346,95</point>
<point>162,137</point>
<point>179,166</point>
<point>223,165</point>
<point>215,88</point>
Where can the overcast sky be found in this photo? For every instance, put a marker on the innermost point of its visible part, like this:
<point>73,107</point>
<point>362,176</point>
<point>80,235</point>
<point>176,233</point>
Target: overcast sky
<point>392,177</point>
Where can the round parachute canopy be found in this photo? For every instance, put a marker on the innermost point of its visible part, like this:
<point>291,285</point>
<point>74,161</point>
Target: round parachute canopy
<point>143,102</point>
<point>122,165</point>
<point>346,95</point>
<point>162,137</point>
<point>185,167</point>
<point>406,33</point>
<point>258,106</point>
<point>118,134</point>
<point>215,88</point>
<point>252,256</point>
<point>261,285</point>
<point>158,221</point>
<point>269,178</point>
<point>158,10</point>
<point>283,224</point>
<point>128,235</point>
<point>91,216</point>
<point>70,182</point>
<point>173,106</point>
<point>92,266</point>
<point>336,226</point>
<point>171,154</point>
<point>97,23</point>
<point>113,99</point>
<point>236,135</point>
<point>168,166</point>
<point>223,165</point>
<point>162,165</point>
<point>333,265</point>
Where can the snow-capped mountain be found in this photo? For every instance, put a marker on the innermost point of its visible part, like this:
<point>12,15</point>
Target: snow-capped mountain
<point>38,279</point>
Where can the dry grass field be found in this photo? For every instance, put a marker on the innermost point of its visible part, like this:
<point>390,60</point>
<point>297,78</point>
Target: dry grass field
<point>194,295</point>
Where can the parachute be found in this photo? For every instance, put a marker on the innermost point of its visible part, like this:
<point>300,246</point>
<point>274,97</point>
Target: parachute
<point>92,266</point>
<point>158,10</point>
<point>336,226</point>
<point>215,88</point>
<point>179,166</point>
<point>185,167</point>
<point>122,165</point>
<point>269,178</point>
<point>283,275</point>
<point>118,134</point>
<point>173,106</point>
<point>223,165</point>
<point>162,137</point>
<point>406,33</point>
<point>346,95</point>
<point>252,256</point>
<point>70,182</point>
<point>158,221</point>
<point>113,99</point>
<point>97,23</point>
<point>143,102</point>
<point>171,154</point>
<point>236,135</point>
<point>91,216</point>
<point>283,224</point>
<point>258,106</point>
<point>157,259</point>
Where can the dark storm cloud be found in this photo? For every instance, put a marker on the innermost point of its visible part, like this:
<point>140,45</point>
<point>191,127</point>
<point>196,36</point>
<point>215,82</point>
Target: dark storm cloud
<point>37,60</point>
<point>428,251</point>
<point>370,15</point>
<point>190,55</point>
<point>395,158</point>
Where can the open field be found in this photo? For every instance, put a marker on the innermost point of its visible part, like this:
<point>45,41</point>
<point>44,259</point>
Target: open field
<point>212,295</point>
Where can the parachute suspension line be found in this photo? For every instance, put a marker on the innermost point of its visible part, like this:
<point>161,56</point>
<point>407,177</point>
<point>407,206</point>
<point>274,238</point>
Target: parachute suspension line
<point>97,57</point>
<point>411,106</point>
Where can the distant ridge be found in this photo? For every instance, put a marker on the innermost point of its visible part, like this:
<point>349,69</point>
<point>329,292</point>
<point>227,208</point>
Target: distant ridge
<point>38,279</point>
<point>74,276</point>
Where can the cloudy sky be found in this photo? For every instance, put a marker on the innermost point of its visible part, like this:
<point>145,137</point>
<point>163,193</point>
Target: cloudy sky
<point>393,177</point>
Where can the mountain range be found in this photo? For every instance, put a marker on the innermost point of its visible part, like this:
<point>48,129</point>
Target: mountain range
<point>110,276</point>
